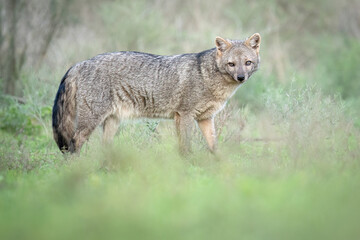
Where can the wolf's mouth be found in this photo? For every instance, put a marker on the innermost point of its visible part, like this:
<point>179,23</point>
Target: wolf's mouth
<point>240,81</point>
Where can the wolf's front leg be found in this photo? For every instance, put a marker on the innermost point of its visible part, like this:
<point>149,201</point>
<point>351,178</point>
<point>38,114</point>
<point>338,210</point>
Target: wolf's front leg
<point>184,123</point>
<point>207,128</point>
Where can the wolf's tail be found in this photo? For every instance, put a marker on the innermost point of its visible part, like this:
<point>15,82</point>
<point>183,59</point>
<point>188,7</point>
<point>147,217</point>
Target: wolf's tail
<point>64,113</point>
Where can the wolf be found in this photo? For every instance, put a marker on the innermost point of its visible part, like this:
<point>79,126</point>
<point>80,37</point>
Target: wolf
<point>188,87</point>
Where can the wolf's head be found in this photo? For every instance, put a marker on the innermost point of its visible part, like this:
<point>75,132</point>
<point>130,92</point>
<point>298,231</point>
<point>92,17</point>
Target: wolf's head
<point>239,59</point>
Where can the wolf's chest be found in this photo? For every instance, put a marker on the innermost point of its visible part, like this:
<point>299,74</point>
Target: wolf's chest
<point>208,109</point>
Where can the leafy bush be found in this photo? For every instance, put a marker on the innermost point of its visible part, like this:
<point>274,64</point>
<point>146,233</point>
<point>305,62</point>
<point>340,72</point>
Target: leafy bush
<point>19,118</point>
<point>313,126</point>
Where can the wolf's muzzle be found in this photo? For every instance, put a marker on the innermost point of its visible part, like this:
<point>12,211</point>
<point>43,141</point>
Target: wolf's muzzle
<point>240,78</point>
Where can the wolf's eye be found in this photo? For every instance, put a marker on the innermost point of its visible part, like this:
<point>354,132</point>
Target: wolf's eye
<point>231,64</point>
<point>248,63</point>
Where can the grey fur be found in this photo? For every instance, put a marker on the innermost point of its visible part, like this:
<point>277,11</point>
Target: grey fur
<point>186,87</point>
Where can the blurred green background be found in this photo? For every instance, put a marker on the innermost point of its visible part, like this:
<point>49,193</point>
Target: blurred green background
<point>289,154</point>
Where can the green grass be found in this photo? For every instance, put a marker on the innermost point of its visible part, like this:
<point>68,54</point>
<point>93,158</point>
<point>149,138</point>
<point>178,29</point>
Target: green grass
<point>292,172</point>
<point>123,194</point>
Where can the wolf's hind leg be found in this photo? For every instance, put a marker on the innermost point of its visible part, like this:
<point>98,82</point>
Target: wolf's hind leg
<point>110,126</point>
<point>184,123</point>
<point>85,126</point>
<point>81,135</point>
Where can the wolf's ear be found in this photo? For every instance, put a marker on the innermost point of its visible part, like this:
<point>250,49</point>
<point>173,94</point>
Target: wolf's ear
<point>254,42</point>
<point>222,44</point>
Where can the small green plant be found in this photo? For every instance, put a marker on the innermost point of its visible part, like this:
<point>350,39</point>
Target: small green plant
<point>17,118</point>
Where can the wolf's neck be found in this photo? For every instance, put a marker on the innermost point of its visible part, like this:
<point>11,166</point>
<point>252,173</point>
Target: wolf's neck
<point>221,85</point>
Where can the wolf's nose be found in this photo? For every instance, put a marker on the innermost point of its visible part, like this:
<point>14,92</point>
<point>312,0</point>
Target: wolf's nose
<point>240,77</point>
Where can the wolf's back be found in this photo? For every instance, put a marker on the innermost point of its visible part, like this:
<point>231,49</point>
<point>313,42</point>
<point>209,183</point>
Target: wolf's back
<point>64,113</point>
